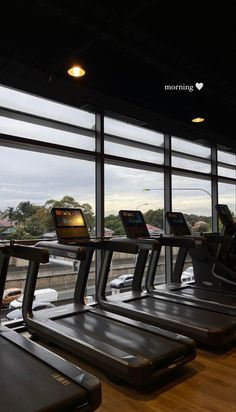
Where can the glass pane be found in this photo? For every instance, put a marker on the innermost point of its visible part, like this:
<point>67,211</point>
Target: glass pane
<point>31,183</point>
<point>27,103</point>
<point>46,134</point>
<point>129,131</point>
<point>191,164</point>
<point>225,157</point>
<point>126,188</point>
<point>227,195</point>
<point>30,180</point>
<point>133,153</point>
<point>193,198</point>
<point>194,149</point>
<point>226,172</point>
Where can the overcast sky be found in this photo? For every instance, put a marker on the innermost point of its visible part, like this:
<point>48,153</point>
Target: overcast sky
<point>38,177</point>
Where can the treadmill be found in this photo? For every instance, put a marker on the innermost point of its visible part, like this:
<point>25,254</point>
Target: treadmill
<point>32,378</point>
<point>179,316</point>
<point>214,255</point>
<point>125,349</point>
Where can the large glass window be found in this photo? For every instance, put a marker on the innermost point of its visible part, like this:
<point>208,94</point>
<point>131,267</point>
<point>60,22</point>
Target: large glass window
<point>127,188</point>
<point>227,164</point>
<point>190,156</point>
<point>192,197</point>
<point>31,183</point>
<point>36,179</point>
<point>227,195</point>
<point>27,103</point>
<point>133,142</point>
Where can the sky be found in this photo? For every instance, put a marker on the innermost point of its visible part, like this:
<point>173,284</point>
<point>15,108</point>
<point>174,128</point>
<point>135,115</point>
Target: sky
<point>38,177</point>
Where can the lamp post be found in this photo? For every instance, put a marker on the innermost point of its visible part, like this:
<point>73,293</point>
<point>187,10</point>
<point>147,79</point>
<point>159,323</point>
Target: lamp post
<point>181,188</point>
<point>141,204</point>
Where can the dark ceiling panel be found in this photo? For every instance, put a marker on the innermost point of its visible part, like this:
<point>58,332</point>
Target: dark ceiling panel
<point>131,50</point>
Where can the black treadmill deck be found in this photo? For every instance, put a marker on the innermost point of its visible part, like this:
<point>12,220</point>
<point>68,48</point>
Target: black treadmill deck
<point>29,378</point>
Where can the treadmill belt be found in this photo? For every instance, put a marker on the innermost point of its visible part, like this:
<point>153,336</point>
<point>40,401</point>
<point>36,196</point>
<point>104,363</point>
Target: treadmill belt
<point>207,295</point>
<point>96,329</point>
<point>181,314</point>
<point>26,382</point>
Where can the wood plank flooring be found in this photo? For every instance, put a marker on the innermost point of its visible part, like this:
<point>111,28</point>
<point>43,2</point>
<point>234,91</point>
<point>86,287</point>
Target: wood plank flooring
<point>207,384</point>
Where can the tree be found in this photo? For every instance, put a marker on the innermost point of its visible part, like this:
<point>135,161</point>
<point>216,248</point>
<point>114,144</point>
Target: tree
<point>10,214</point>
<point>113,222</point>
<point>69,201</point>
<point>24,210</point>
<point>154,217</point>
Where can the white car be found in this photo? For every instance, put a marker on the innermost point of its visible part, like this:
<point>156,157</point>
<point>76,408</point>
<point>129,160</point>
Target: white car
<point>188,275</point>
<point>17,313</point>
<point>122,281</point>
<point>45,295</point>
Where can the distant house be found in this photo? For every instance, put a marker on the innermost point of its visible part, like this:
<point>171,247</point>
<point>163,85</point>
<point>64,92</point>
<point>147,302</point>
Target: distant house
<point>6,223</point>
<point>108,232</point>
<point>153,230</point>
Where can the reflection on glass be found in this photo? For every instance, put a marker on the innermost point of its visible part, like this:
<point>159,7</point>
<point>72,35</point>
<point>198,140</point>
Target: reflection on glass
<point>225,157</point>
<point>46,134</point>
<point>129,131</point>
<point>227,172</point>
<point>27,103</point>
<point>184,146</point>
<point>191,164</point>
<point>133,153</point>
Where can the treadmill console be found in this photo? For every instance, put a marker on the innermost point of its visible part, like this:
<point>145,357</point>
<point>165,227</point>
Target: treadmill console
<point>225,216</point>
<point>177,222</point>
<point>134,224</point>
<point>69,224</point>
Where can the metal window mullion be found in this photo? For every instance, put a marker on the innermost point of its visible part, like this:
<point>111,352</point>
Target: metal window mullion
<point>167,204</point>
<point>214,189</point>
<point>99,178</point>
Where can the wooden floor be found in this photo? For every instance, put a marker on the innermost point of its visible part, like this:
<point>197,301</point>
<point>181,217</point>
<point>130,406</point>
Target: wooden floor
<point>206,384</point>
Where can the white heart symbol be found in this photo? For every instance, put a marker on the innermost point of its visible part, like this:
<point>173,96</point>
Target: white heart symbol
<point>199,86</point>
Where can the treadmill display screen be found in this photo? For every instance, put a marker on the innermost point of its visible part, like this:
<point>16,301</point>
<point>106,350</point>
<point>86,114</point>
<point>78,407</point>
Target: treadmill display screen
<point>69,218</point>
<point>69,224</point>
<point>225,215</point>
<point>177,222</point>
<point>133,223</point>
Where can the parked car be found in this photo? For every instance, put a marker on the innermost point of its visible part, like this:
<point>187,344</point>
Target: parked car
<point>38,305</point>
<point>9,295</point>
<point>122,281</point>
<point>44,295</point>
<point>188,275</point>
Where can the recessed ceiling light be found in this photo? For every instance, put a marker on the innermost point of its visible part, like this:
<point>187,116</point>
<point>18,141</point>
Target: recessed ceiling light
<point>198,120</point>
<point>76,71</point>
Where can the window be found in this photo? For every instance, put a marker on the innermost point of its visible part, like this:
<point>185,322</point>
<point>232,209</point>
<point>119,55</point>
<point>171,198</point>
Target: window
<point>133,142</point>
<point>126,188</point>
<point>192,197</point>
<point>190,156</point>
<point>226,164</point>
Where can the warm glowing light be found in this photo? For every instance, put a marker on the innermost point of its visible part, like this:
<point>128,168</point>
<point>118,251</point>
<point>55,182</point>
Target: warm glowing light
<point>198,119</point>
<point>76,71</point>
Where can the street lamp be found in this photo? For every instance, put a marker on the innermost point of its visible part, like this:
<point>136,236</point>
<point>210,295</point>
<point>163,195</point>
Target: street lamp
<point>181,188</point>
<point>141,204</point>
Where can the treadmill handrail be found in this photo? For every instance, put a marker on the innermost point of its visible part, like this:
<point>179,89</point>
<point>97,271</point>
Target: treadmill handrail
<point>25,252</point>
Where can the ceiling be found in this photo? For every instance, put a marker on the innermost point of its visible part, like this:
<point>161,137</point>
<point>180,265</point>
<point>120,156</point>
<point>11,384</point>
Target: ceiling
<point>130,50</point>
